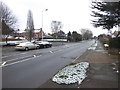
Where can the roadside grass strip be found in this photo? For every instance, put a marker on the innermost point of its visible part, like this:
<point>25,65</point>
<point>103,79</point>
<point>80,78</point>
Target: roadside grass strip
<point>72,74</point>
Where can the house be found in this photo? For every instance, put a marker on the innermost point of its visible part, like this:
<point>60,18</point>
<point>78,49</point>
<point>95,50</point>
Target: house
<point>37,34</point>
<point>104,38</point>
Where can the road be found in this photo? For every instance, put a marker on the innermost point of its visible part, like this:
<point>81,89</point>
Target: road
<point>33,68</point>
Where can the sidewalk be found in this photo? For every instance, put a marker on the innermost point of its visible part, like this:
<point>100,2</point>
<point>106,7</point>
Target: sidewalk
<point>102,72</point>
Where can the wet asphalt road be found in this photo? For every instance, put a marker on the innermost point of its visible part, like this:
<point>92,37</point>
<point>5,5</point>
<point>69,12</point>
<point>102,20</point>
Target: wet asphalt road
<point>32,68</point>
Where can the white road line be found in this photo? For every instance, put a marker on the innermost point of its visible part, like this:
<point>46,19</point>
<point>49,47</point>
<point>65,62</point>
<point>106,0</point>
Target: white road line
<point>20,61</point>
<point>23,53</point>
<point>17,62</point>
<point>55,51</point>
<point>51,51</point>
<point>9,55</point>
<point>34,55</point>
<point>24,57</point>
<point>16,59</point>
<point>75,59</point>
<point>3,63</point>
<point>13,59</point>
<point>13,55</point>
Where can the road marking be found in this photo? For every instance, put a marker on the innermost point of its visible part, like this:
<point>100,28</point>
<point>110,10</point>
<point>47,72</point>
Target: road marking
<point>55,51</point>
<point>2,64</point>
<point>14,55</point>
<point>9,55</point>
<point>117,71</point>
<point>34,55</point>
<point>113,68</point>
<point>17,62</point>
<point>23,53</point>
<point>12,59</point>
<point>20,61</point>
<point>51,51</point>
<point>75,59</point>
<point>16,59</point>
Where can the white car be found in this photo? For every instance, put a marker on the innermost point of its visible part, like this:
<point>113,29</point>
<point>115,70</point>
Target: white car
<point>26,46</point>
<point>106,45</point>
<point>13,43</point>
<point>43,44</point>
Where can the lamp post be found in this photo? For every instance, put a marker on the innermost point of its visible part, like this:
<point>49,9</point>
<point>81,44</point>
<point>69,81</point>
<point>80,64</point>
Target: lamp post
<point>42,22</point>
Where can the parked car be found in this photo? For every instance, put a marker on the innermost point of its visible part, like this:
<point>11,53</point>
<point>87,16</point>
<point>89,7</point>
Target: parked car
<point>13,43</point>
<point>26,46</point>
<point>43,44</point>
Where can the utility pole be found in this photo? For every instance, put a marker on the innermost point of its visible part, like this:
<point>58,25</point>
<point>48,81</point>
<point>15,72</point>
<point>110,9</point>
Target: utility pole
<point>42,22</point>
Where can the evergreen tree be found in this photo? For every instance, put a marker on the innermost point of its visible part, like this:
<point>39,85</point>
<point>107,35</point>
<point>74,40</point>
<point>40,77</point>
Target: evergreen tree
<point>30,26</point>
<point>107,14</point>
<point>69,36</point>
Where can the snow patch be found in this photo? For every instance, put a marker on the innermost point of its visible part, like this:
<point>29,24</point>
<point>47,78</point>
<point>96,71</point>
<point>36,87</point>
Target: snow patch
<point>95,45</point>
<point>72,74</point>
<point>91,48</point>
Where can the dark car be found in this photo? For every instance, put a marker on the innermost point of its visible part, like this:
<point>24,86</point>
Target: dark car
<point>43,44</point>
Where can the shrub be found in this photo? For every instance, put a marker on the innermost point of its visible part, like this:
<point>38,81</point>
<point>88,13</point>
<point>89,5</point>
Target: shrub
<point>114,43</point>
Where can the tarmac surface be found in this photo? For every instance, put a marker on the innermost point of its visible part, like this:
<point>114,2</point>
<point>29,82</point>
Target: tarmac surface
<point>103,71</point>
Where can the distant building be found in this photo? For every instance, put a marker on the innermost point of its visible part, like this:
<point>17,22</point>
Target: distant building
<point>37,34</point>
<point>104,38</point>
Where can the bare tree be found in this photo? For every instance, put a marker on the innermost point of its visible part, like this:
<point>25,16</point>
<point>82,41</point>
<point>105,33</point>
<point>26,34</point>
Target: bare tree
<point>86,34</point>
<point>30,26</point>
<point>7,19</point>
<point>7,15</point>
<point>56,26</point>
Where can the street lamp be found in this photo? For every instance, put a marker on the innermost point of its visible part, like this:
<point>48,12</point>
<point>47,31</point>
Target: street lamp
<point>42,22</point>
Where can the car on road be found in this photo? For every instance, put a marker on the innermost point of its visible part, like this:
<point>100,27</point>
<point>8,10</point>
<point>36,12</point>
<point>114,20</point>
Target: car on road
<point>13,43</point>
<point>26,46</point>
<point>43,44</point>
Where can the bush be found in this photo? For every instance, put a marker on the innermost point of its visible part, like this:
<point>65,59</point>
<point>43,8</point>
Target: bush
<point>114,43</point>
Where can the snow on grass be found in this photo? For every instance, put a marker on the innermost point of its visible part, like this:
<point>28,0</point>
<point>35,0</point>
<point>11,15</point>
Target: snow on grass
<point>95,45</point>
<point>91,48</point>
<point>72,74</point>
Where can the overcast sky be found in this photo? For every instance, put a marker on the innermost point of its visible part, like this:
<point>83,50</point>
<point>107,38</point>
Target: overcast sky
<point>74,14</point>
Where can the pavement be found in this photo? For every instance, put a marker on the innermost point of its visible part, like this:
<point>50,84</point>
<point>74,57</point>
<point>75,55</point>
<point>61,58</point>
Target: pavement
<point>102,73</point>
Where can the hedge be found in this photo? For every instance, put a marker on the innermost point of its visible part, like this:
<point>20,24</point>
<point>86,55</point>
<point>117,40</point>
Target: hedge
<point>114,43</point>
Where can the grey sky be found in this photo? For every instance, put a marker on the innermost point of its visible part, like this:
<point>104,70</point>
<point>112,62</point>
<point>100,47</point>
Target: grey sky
<point>74,14</point>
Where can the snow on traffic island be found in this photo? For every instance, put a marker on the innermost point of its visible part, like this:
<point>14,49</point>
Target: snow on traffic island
<point>72,74</point>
